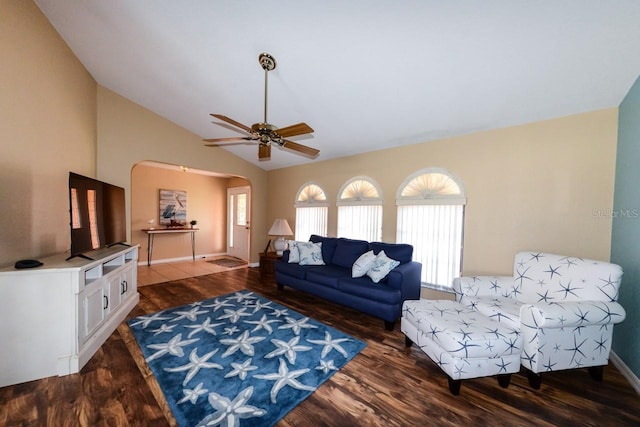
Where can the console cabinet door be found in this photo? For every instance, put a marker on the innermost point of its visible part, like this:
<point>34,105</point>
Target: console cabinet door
<point>115,293</point>
<point>128,285</point>
<point>94,306</point>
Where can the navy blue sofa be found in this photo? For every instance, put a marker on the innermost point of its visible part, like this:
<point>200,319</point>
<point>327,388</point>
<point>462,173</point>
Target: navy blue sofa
<point>333,280</point>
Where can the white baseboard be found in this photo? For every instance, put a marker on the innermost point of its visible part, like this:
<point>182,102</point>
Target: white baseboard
<point>625,371</point>
<point>186,258</point>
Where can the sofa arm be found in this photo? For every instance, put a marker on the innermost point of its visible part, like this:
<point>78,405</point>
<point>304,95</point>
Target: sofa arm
<point>483,286</point>
<point>571,314</point>
<point>407,278</point>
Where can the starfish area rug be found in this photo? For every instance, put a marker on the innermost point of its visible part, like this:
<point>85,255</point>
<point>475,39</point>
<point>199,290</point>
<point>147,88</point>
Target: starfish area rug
<point>238,359</point>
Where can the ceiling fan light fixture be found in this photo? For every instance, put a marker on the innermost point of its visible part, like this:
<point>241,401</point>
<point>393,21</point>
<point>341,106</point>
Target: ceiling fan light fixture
<point>264,151</point>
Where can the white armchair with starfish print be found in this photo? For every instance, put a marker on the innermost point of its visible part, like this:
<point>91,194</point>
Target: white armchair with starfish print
<point>565,308</point>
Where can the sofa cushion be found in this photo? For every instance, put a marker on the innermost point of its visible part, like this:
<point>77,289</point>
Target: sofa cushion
<point>381,267</point>
<point>363,264</point>
<point>310,253</point>
<point>328,246</point>
<point>294,270</point>
<point>328,275</point>
<point>402,252</point>
<point>348,251</point>
<point>365,288</point>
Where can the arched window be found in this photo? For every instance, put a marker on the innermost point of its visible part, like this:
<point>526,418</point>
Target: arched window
<point>431,218</point>
<point>311,212</point>
<point>360,209</point>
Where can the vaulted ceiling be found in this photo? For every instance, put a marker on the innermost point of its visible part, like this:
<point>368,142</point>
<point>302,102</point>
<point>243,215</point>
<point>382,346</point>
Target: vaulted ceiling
<point>364,74</point>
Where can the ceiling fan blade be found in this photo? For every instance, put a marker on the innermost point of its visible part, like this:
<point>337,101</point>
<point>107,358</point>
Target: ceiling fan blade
<point>232,139</point>
<point>300,148</point>
<point>293,130</point>
<point>233,122</point>
<point>264,151</point>
<point>221,142</point>
<point>227,144</point>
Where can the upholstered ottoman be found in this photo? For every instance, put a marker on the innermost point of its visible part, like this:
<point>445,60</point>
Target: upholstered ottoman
<point>462,342</point>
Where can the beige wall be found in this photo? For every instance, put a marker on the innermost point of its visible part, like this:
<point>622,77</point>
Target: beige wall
<point>129,134</point>
<point>538,186</point>
<point>206,203</point>
<point>48,128</point>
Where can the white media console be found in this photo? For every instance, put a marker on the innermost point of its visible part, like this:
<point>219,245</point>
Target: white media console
<point>55,317</point>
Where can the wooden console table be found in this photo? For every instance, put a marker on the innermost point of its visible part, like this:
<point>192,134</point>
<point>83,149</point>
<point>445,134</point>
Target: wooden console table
<point>152,232</point>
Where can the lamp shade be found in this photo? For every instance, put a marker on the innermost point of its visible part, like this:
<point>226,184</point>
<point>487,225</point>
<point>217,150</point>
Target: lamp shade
<point>280,227</point>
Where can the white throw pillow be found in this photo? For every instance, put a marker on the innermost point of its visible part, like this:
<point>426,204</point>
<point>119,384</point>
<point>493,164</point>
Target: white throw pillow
<point>382,265</point>
<point>363,264</point>
<point>294,252</point>
<point>310,253</point>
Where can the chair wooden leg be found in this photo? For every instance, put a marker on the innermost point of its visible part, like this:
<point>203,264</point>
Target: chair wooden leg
<point>407,341</point>
<point>504,380</point>
<point>596,372</point>
<point>534,379</point>
<point>454,386</point>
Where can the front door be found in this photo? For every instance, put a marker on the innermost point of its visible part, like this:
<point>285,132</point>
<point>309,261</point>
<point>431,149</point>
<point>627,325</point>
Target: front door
<point>239,224</point>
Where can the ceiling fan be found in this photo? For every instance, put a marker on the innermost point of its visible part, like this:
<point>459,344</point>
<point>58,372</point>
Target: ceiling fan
<point>264,133</point>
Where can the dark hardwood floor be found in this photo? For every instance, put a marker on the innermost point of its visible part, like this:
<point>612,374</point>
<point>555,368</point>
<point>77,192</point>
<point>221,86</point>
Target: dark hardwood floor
<point>387,384</point>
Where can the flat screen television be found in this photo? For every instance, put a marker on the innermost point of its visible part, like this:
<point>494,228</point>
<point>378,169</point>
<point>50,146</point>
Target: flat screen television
<point>97,215</point>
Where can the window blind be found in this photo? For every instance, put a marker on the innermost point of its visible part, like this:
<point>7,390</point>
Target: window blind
<point>362,222</point>
<point>435,231</point>
<point>311,220</point>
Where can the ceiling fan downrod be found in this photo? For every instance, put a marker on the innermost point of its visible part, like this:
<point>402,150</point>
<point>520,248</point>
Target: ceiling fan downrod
<point>268,63</point>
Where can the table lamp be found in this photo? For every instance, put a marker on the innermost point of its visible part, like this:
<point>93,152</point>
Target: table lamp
<point>280,228</point>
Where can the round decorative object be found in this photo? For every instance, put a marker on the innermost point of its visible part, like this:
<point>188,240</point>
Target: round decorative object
<point>267,61</point>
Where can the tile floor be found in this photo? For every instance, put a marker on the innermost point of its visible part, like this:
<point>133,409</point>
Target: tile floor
<point>158,273</point>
